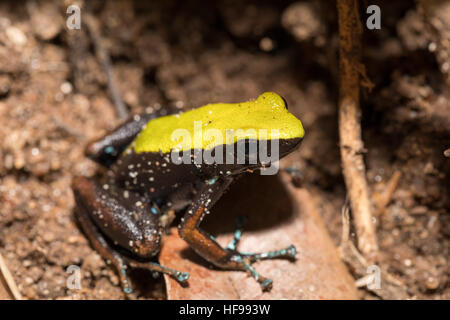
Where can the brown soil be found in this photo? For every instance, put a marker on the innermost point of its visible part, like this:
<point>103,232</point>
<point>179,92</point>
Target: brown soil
<point>178,55</point>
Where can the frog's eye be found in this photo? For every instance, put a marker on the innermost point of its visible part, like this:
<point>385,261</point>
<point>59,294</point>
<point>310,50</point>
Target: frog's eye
<point>285,102</point>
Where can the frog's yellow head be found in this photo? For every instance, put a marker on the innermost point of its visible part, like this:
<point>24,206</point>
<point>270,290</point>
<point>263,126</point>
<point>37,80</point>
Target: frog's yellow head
<point>265,118</point>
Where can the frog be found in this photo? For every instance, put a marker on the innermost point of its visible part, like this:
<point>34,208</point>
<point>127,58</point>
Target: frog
<point>125,213</point>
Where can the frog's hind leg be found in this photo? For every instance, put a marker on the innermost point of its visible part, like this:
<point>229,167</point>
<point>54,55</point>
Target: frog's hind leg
<point>100,244</point>
<point>103,211</point>
<point>207,247</point>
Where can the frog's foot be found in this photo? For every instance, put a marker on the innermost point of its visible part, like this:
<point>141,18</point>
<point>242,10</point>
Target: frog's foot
<point>156,268</point>
<point>227,258</point>
<point>246,259</point>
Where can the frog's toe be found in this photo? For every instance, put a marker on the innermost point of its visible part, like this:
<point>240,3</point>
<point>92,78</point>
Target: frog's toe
<point>240,221</point>
<point>266,284</point>
<point>156,269</point>
<point>247,259</point>
<point>289,252</point>
<point>127,290</point>
<point>124,281</point>
<point>182,276</point>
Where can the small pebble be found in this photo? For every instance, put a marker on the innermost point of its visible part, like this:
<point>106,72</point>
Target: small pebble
<point>266,44</point>
<point>432,283</point>
<point>407,262</point>
<point>447,153</point>
<point>16,36</point>
<point>66,87</point>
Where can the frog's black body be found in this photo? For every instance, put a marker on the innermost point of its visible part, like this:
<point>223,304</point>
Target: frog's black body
<point>126,211</point>
<point>156,174</point>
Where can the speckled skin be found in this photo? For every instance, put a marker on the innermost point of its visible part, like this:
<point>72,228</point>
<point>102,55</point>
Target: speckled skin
<point>127,210</point>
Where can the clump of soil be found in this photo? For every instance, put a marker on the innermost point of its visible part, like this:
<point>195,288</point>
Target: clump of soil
<point>178,55</point>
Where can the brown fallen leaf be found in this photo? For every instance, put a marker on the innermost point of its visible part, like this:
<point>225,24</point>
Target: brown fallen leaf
<point>278,215</point>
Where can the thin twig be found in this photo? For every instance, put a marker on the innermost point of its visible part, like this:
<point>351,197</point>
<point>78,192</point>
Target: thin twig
<point>68,129</point>
<point>4,271</point>
<point>386,197</point>
<point>351,144</point>
<point>103,57</point>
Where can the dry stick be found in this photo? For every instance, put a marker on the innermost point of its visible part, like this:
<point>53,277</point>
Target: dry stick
<point>68,129</point>
<point>351,144</point>
<point>103,57</point>
<point>387,194</point>
<point>9,279</point>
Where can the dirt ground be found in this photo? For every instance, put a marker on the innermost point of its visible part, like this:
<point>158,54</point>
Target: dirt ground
<point>181,54</point>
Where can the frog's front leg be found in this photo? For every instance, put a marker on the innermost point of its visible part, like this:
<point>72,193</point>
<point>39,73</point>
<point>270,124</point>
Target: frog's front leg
<point>107,149</point>
<point>110,214</point>
<point>207,247</point>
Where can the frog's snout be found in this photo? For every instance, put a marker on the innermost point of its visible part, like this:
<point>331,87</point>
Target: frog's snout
<point>287,146</point>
